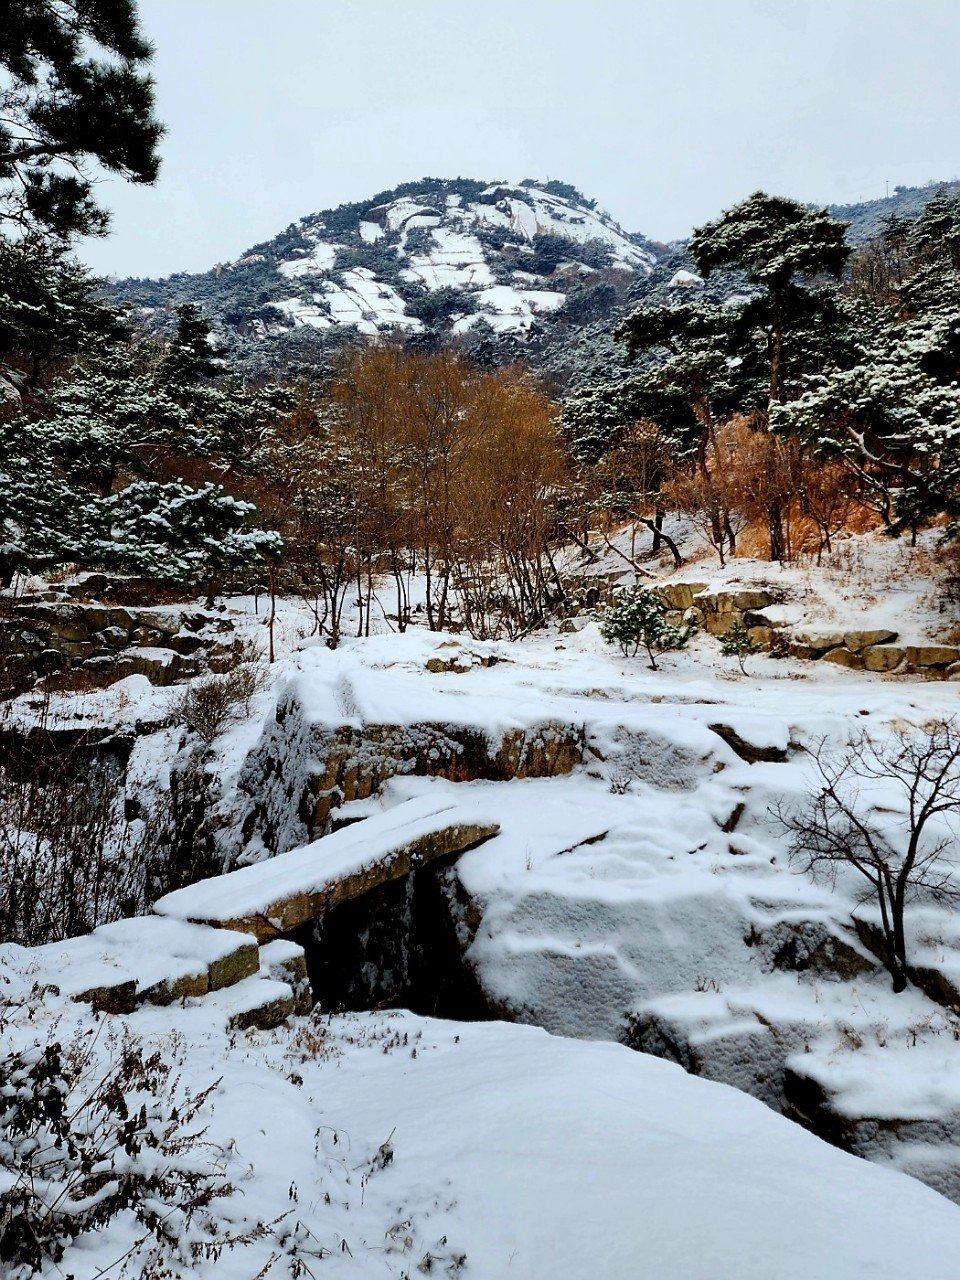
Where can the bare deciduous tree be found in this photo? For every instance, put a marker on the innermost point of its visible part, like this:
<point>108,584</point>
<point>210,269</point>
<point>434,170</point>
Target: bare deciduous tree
<point>891,811</point>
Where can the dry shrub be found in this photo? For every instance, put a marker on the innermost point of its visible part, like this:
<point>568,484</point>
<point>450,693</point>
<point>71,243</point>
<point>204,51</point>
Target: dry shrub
<point>70,856</point>
<point>81,1146</point>
<point>754,489</point>
<point>210,705</point>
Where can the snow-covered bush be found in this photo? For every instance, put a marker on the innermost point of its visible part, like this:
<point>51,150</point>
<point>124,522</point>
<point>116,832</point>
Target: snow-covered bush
<point>80,1145</point>
<point>637,619</point>
<point>178,534</point>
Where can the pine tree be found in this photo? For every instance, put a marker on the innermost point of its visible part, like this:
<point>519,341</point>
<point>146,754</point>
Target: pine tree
<point>896,425</point>
<point>637,619</point>
<point>888,402</point>
<point>738,644</point>
<point>50,308</point>
<point>190,358</point>
<point>172,533</point>
<point>82,474</point>
<point>74,97</point>
<point>782,246</point>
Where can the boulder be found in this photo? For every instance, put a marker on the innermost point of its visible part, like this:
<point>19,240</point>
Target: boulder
<point>817,946</point>
<point>262,1006</point>
<point>931,655</point>
<point>160,666</point>
<point>735,601</point>
<point>165,621</point>
<point>78,648</point>
<point>273,897</point>
<point>185,642</point>
<point>285,961</point>
<point>763,636</point>
<point>118,996</point>
<point>93,616</point>
<point>885,657</point>
<point>844,658</point>
<point>751,752</point>
<point>456,664</point>
<point>74,632</point>
<point>820,641</point>
<point>114,637</point>
<point>858,640</point>
<point>679,595</point>
<point>239,963</point>
<point>718,624</point>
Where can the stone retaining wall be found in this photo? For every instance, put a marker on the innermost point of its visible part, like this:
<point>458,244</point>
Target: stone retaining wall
<point>42,638</point>
<point>860,650</point>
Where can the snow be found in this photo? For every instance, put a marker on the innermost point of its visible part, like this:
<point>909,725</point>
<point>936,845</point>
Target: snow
<point>621,891</point>
<point>400,214</point>
<point>646,896</point>
<point>358,299</point>
<point>369,304</point>
<point>321,258</point>
<point>531,1155</point>
<point>456,262</point>
<point>146,950</point>
<point>685,280</point>
<point>300,312</point>
<point>456,259</point>
<point>553,215</point>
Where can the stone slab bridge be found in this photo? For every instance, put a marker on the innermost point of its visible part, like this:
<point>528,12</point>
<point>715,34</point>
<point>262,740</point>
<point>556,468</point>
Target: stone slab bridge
<point>223,938</point>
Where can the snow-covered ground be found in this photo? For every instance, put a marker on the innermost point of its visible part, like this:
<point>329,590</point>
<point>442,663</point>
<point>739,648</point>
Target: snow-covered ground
<point>394,1146</point>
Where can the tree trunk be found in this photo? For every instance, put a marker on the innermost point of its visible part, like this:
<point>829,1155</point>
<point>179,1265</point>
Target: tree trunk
<point>273,612</point>
<point>775,525</point>
<point>664,537</point>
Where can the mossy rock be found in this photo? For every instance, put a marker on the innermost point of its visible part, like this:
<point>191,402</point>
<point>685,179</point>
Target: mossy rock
<point>234,967</point>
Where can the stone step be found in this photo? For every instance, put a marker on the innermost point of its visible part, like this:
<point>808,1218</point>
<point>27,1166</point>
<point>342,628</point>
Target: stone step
<point>146,959</point>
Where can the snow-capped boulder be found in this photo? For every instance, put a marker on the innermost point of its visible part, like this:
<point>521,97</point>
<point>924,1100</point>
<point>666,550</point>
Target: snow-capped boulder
<point>685,280</point>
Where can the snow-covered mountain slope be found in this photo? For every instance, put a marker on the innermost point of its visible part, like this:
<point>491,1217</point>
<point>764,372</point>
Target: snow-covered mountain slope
<point>439,253</point>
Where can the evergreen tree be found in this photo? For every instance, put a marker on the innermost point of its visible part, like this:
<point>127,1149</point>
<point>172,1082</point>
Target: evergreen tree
<point>74,97</point>
<point>50,307</point>
<point>172,533</point>
<point>782,247</point>
<point>707,370</point>
<point>885,411</point>
<point>888,402</point>
<point>738,644</point>
<point>226,416</point>
<point>637,619</point>
<point>190,358</point>
<point>83,473</point>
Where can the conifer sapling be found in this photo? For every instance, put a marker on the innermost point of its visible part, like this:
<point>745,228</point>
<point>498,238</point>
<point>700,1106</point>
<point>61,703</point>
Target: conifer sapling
<point>737,643</point>
<point>638,619</point>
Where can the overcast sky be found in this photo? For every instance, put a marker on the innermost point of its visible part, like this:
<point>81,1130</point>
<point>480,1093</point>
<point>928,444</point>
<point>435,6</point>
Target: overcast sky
<point>665,111</point>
